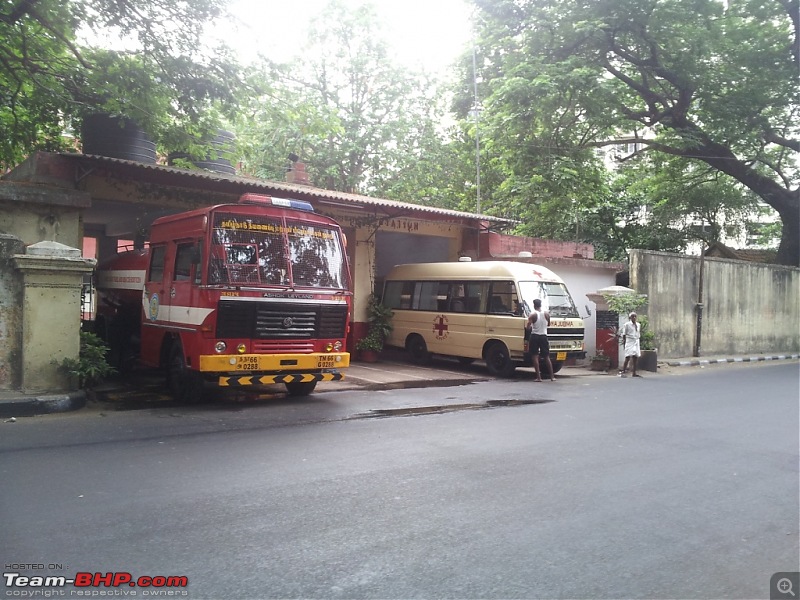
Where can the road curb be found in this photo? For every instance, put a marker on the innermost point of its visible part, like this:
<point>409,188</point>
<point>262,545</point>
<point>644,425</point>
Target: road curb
<point>29,406</point>
<point>699,362</point>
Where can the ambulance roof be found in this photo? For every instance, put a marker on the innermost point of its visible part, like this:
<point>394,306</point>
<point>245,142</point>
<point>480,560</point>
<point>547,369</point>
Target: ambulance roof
<point>495,269</point>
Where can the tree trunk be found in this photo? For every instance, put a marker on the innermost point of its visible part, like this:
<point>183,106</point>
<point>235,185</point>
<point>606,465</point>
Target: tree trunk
<point>789,250</point>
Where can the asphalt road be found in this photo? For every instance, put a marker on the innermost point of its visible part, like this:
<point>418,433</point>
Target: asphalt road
<point>672,486</point>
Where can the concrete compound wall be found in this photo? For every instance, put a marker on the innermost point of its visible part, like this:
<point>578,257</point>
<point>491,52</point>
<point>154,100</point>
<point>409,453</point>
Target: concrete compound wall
<point>749,308</point>
<point>11,289</point>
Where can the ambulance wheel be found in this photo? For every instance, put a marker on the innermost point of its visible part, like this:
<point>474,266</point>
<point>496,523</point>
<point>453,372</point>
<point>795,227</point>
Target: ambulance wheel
<point>185,385</point>
<point>498,360</point>
<point>418,350</point>
<point>300,388</point>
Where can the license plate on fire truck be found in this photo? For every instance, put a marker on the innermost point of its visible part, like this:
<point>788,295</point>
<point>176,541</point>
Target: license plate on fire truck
<point>326,362</point>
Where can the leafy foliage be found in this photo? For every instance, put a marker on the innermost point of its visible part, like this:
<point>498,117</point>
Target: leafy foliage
<point>647,338</point>
<point>361,123</point>
<point>50,76</point>
<point>91,365</point>
<point>657,204</point>
<point>705,89</point>
<point>711,83</point>
<point>624,304</point>
<point>379,320</point>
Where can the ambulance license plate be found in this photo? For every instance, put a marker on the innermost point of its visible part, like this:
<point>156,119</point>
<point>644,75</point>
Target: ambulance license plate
<point>561,356</point>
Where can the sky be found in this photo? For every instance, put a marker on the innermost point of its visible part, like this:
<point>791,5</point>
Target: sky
<point>430,34</point>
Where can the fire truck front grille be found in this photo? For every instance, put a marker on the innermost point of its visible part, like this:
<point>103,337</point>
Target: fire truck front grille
<point>280,321</point>
<point>279,347</point>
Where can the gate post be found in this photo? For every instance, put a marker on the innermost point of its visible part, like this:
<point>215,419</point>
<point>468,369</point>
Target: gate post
<point>51,311</point>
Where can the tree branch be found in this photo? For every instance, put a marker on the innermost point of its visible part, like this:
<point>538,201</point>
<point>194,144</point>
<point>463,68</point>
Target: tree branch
<point>774,138</point>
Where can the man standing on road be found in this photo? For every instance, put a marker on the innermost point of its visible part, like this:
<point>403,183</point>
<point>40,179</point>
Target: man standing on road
<point>630,339</point>
<point>538,321</point>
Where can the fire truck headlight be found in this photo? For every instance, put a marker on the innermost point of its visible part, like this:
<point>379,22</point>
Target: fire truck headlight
<point>220,347</point>
<point>337,345</point>
<point>241,348</point>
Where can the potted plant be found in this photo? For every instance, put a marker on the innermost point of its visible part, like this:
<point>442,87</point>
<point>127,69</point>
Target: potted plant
<point>379,321</point>
<point>600,361</point>
<point>648,361</point>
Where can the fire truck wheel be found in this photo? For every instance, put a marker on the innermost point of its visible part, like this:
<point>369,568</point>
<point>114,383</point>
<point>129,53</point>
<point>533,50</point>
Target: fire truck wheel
<point>300,388</point>
<point>184,385</point>
<point>498,360</point>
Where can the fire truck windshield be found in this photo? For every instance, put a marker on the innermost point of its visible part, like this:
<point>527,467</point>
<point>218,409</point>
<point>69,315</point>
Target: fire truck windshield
<point>258,251</point>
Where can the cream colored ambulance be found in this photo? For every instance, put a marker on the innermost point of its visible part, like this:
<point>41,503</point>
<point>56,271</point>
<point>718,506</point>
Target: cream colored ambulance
<point>478,310</point>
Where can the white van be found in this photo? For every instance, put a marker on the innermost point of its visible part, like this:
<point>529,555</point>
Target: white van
<point>478,310</point>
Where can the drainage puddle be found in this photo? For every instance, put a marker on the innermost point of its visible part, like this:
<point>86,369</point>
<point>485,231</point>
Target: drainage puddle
<point>380,413</point>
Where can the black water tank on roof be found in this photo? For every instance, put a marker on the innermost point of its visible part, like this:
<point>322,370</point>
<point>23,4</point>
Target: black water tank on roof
<point>117,137</point>
<point>221,145</point>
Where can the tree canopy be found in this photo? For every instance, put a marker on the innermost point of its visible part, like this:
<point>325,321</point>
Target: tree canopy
<point>709,82</point>
<point>360,121</point>
<point>704,90</point>
<point>51,76</point>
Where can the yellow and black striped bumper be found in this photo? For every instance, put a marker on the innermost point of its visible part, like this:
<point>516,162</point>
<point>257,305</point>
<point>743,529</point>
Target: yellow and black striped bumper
<point>243,380</point>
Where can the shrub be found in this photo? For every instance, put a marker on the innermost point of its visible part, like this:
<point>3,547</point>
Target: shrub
<point>379,319</point>
<point>91,365</point>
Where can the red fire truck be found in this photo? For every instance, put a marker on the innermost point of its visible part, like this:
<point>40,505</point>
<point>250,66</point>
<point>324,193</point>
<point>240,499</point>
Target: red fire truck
<point>243,294</point>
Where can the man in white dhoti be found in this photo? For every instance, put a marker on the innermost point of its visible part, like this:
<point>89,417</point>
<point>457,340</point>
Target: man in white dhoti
<point>630,339</point>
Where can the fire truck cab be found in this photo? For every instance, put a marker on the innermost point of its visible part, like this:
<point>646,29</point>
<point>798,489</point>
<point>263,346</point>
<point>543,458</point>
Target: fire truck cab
<point>243,294</point>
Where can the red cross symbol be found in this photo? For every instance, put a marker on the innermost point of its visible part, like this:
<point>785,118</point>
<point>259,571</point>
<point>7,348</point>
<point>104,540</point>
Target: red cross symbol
<point>440,327</point>
<point>538,274</point>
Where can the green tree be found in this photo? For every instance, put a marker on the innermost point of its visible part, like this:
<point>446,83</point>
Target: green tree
<point>360,122</point>
<point>656,202</point>
<point>710,82</point>
<point>51,76</point>
<point>628,215</point>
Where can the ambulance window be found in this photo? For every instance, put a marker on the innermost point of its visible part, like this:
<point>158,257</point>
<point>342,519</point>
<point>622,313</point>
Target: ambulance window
<point>157,255</point>
<point>457,295</point>
<point>503,298</point>
<point>397,294</point>
<point>425,295</point>
<point>475,294</point>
